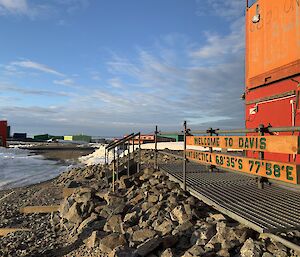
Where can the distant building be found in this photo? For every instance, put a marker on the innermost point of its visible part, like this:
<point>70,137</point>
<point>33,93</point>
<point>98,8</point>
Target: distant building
<point>83,138</point>
<point>177,138</point>
<point>45,137</point>
<point>20,136</point>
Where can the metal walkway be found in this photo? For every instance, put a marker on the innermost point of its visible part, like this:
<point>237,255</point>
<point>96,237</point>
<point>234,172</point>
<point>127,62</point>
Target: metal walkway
<point>269,210</point>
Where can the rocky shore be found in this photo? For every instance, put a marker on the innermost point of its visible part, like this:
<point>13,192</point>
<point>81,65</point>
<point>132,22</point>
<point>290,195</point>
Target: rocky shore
<point>147,215</point>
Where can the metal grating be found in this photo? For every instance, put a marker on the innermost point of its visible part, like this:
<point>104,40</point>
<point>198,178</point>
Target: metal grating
<point>272,209</point>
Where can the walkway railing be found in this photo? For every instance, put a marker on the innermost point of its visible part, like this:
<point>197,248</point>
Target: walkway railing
<point>122,144</point>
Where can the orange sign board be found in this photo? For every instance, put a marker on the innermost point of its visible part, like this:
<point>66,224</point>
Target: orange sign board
<point>285,172</point>
<point>274,144</point>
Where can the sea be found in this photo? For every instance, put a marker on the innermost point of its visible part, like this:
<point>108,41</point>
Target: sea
<point>19,167</point>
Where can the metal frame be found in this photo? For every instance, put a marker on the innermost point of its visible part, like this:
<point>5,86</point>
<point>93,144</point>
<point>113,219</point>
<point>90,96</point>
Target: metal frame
<point>114,146</point>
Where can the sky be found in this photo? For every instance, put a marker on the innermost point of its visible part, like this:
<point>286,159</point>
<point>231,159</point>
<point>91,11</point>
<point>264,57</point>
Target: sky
<point>106,68</point>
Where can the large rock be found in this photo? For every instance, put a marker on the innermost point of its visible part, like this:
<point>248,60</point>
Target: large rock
<point>87,222</point>
<point>250,249</point>
<point>167,253</point>
<point>147,247</point>
<point>110,242</point>
<point>143,234</point>
<point>121,251</point>
<point>125,182</point>
<point>131,218</point>
<point>195,250</point>
<point>202,235</point>
<point>73,215</point>
<point>184,228</point>
<point>179,214</point>
<point>165,228</point>
<point>114,224</point>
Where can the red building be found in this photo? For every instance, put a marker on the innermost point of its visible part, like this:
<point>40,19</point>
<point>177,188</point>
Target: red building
<point>273,67</point>
<point>3,132</point>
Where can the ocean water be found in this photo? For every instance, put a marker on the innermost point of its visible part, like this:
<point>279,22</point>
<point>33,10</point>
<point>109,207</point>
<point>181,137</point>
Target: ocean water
<point>19,167</point>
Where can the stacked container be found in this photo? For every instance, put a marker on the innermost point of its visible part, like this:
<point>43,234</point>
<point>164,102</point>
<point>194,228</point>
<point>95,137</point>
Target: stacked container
<point>273,67</point>
<point>3,132</point>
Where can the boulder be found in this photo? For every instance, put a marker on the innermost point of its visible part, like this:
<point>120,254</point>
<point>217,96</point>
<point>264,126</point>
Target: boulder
<point>147,247</point>
<point>84,224</point>
<point>114,224</point>
<point>110,242</point>
<point>121,251</point>
<point>195,250</point>
<point>125,182</point>
<point>179,214</point>
<point>184,228</point>
<point>143,234</point>
<point>167,253</point>
<point>165,228</point>
<point>73,215</point>
<point>91,241</point>
<point>250,249</point>
<point>202,235</point>
<point>131,218</point>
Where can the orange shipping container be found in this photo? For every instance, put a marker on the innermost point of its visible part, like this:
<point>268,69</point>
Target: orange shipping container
<point>272,41</point>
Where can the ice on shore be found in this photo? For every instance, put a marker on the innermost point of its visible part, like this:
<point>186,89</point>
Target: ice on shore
<point>98,156</point>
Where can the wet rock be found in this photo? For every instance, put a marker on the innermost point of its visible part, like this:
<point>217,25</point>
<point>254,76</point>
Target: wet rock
<point>114,224</point>
<point>110,242</point>
<point>250,249</point>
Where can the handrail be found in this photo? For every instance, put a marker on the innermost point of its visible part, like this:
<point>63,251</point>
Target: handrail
<point>119,142</point>
<point>170,132</point>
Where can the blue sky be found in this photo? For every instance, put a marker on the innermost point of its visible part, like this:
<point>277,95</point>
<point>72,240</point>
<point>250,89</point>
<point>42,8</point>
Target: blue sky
<point>105,68</point>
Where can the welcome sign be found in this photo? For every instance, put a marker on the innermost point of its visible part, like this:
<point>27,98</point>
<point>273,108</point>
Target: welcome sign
<point>274,144</point>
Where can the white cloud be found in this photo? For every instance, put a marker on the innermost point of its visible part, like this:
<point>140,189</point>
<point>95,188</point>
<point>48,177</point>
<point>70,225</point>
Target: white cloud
<point>14,6</point>
<point>27,64</point>
<point>4,87</point>
<point>64,82</point>
<point>229,9</point>
<point>222,46</point>
<point>42,9</point>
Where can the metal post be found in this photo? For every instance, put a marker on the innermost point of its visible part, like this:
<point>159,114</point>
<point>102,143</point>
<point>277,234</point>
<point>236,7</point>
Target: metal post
<point>105,162</point>
<point>128,164</point>
<point>113,173</point>
<point>118,162</point>
<point>155,150</point>
<point>211,167</point>
<point>133,149</point>
<point>139,162</point>
<point>184,156</point>
<point>261,180</point>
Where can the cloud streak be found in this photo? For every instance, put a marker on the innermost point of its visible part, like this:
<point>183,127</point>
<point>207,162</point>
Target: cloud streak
<point>31,65</point>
